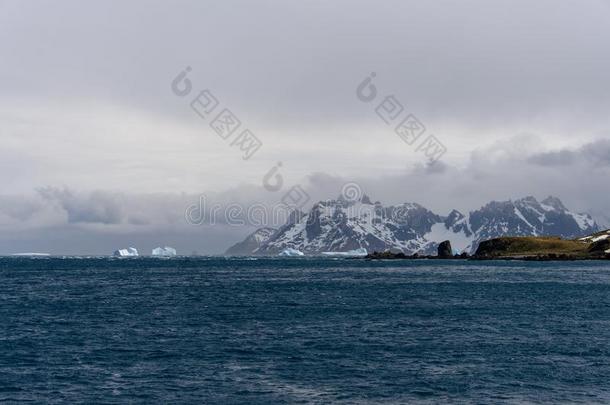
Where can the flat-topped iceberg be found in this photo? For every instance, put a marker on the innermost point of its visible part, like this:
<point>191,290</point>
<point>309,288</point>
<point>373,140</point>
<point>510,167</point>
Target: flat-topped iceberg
<point>350,253</point>
<point>129,252</point>
<point>164,252</point>
<point>291,252</point>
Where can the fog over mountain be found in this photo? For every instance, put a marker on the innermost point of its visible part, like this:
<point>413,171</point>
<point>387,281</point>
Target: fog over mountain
<point>98,151</point>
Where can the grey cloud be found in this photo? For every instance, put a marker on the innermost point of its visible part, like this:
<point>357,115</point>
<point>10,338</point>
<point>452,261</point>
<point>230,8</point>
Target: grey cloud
<point>289,70</point>
<point>79,218</point>
<point>500,172</point>
<point>432,167</point>
<point>97,222</point>
<point>499,62</point>
<point>135,219</point>
<point>560,158</point>
<point>96,207</point>
<point>595,153</point>
<point>20,208</point>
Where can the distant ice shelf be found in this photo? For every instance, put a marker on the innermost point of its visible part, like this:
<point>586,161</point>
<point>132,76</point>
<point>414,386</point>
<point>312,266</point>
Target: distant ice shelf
<point>350,253</point>
<point>31,254</point>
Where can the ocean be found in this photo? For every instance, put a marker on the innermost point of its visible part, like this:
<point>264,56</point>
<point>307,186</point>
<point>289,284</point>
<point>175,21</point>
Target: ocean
<point>303,330</point>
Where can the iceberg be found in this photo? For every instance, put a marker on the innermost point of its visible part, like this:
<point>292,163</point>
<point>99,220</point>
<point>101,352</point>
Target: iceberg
<point>164,252</point>
<point>291,252</point>
<point>350,253</point>
<point>129,252</point>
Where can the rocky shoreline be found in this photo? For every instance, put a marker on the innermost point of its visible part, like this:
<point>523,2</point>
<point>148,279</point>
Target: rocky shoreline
<point>517,248</point>
<point>444,251</point>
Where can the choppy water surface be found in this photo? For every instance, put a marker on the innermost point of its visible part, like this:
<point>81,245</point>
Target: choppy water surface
<point>215,330</point>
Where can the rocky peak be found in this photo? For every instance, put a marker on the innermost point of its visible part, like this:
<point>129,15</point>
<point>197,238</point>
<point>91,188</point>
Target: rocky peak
<point>555,203</point>
<point>251,243</point>
<point>341,225</point>
<point>453,218</point>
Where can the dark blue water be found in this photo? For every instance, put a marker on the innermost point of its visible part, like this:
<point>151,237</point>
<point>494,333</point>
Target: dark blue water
<point>303,330</point>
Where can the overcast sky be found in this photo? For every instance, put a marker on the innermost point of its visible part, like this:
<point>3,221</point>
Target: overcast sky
<point>98,152</point>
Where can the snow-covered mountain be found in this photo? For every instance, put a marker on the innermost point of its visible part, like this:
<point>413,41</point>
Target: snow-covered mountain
<point>341,225</point>
<point>252,242</point>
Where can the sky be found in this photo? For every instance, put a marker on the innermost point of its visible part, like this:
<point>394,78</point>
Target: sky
<point>101,150</point>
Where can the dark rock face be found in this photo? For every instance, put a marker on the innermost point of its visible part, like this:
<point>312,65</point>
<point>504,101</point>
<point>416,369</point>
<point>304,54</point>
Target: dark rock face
<point>444,250</point>
<point>457,222</point>
<point>600,246</point>
<point>341,225</point>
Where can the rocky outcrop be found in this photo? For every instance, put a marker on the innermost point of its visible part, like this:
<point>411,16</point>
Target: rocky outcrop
<point>399,255</point>
<point>600,246</point>
<point>444,250</point>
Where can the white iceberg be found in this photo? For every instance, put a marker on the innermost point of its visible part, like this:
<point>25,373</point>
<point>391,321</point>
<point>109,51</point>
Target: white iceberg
<point>164,251</point>
<point>350,253</point>
<point>291,252</point>
<point>129,252</point>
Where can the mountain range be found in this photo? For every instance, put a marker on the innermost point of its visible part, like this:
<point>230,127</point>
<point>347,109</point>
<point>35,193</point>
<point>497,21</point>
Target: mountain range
<point>342,225</point>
